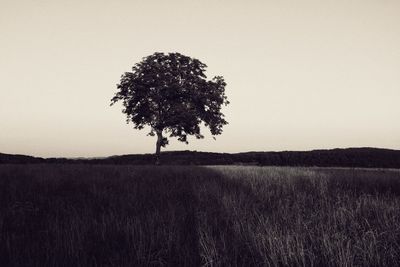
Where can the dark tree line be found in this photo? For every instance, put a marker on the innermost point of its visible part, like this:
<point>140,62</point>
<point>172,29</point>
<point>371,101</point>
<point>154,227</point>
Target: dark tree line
<point>352,157</point>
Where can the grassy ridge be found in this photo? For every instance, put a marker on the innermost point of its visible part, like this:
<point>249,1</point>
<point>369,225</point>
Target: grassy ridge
<point>86,215</point>
<point>349,157</point>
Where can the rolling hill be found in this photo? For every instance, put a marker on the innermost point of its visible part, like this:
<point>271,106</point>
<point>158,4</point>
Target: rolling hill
<point>349,157</point>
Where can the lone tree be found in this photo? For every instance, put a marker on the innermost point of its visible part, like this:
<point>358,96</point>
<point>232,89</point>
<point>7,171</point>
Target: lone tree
<point>170,93</point>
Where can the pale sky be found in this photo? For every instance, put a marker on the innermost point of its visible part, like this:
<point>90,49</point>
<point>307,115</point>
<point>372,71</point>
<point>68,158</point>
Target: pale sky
<point>300,75</point>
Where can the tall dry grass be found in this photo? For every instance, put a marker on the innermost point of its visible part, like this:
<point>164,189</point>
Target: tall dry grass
<point>82,215</point>
<point>312,217</point>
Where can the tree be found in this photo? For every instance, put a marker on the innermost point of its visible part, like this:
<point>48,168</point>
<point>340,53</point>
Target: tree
<point>170,93</point>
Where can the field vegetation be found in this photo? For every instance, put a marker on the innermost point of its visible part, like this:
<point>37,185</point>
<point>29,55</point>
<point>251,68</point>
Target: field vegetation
<point>106,215</point>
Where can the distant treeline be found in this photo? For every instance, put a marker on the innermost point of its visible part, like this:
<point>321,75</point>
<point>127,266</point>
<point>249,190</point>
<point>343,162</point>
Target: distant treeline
<point>350,157</point>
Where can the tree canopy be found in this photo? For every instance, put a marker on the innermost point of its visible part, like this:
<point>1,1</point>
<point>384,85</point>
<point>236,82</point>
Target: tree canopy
<point>171,94</point>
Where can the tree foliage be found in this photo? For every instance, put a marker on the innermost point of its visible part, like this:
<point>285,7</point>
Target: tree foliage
<point>171,94</point>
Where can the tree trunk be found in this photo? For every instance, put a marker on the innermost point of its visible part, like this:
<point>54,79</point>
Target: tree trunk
<point>158,146</point>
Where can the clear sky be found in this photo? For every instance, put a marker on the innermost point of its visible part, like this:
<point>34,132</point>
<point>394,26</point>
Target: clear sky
<point>301,75</point>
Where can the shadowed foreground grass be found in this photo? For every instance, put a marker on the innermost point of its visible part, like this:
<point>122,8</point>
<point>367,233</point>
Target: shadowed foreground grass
<point>73,215</point>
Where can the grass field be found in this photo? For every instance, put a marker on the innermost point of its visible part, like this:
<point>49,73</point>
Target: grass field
<point>88,215</point>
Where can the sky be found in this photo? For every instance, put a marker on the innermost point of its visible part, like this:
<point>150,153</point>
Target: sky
<point>300,75</point>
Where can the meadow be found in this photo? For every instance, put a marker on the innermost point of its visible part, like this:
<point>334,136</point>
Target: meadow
<point>107,215</point>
